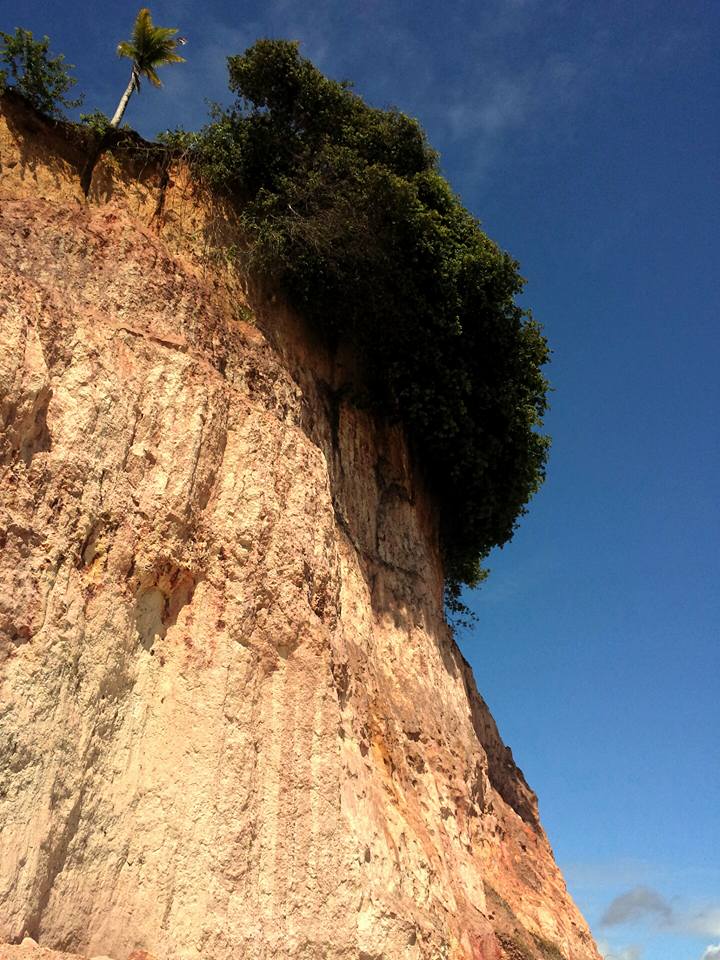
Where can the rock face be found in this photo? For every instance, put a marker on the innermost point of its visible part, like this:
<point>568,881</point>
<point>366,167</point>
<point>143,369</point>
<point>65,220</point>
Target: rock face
<point>233,722</point>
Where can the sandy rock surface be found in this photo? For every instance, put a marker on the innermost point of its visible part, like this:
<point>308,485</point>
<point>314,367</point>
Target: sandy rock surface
<point>233,723</point>
<point>29,949</point>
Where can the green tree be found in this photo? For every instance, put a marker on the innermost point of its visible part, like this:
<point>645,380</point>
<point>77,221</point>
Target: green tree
<point>29,69</point>
<point>150,47</point>
<point>346,212</point>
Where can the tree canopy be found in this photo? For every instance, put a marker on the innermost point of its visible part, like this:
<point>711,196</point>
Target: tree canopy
<point>27,67</point>
<point>347,212</point>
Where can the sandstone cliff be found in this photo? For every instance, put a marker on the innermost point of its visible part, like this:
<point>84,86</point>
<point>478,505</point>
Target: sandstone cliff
<point>233,722</point>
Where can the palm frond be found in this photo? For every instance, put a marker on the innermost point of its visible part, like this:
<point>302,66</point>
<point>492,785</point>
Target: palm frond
<point>125,49</point>
<point>142,28</point>
<point>154,79</point>
<point>150,46</point>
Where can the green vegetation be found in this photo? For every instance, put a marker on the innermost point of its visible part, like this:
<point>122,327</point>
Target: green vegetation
<point>346,212</point>
<point>27,67</point>
<point>97,122</point>
<point>343,209</point>
<point>150,47</point>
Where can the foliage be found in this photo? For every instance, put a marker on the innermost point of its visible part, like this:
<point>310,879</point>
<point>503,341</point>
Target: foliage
<point>346,210</point>
<point>28,68</point>
<point>150,47</point>
<point>96,121</point>
<point>181,142</point>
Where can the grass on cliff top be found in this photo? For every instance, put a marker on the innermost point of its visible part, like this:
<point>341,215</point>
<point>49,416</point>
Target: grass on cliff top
<point>347,213</point>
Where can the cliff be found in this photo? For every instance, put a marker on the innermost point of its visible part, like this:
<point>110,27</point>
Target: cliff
<point>233,722</point>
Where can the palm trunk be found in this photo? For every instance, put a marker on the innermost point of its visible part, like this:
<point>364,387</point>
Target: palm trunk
<point>124,99</point>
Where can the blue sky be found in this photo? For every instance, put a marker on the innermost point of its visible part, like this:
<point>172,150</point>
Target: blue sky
<point>585,136</point>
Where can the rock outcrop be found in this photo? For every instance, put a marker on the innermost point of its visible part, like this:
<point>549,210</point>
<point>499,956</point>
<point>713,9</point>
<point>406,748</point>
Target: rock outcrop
<point>233,721</point>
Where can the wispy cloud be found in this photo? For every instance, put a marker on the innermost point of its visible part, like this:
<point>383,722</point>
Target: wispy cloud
<point>705,921</point>
<point>640,903</point>
<point>513,79</point>
<point>504,103</point>
<point>645,905</point>
<point>624,953</point>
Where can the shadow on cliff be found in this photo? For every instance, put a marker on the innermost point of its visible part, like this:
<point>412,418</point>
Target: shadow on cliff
<point>381,504</point>
<point>103,166</point>
<point>386,514</point>
<point>42,144</point>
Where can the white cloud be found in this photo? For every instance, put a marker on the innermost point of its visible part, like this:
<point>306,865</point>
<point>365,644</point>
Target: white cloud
<point>712,952</point>
<point>623,953</point>
<point>705,921</point>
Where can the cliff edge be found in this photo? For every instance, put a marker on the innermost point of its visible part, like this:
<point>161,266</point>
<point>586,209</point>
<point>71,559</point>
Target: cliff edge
<point>233,722</point>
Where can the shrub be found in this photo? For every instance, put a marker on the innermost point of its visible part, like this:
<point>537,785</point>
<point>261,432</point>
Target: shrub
<point>31,71</point>
<point>97,122</point>
<point>346,210</point>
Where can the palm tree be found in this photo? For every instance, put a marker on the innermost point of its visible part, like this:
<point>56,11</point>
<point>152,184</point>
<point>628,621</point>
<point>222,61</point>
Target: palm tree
<point>150,47</point>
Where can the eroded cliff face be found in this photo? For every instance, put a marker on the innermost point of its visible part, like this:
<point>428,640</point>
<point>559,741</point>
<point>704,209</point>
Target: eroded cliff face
<point>233,722</point>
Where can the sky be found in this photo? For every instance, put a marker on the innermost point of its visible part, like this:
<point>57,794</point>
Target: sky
<point>586,137</point>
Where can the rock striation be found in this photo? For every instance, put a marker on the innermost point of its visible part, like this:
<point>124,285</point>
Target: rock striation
<point>233,721</point>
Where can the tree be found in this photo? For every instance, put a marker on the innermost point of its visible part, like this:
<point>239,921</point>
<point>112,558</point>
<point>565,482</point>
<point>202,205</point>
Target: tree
<point>31,71</point>
<point>346,213</point>
<point>150,47</point>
